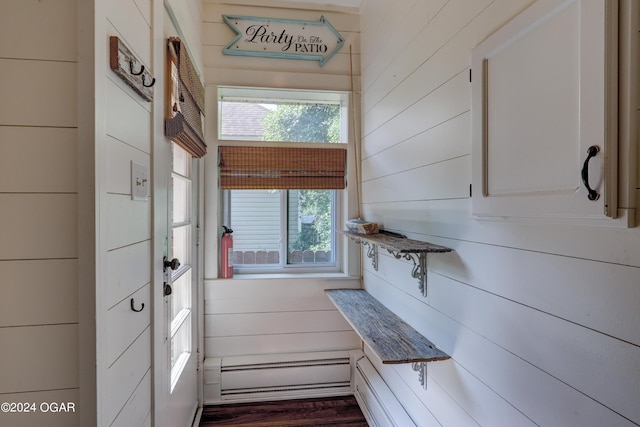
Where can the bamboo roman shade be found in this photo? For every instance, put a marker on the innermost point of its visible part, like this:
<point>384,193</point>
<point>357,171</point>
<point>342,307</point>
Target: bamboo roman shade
<point>282,168</point>
<point>185,126</point>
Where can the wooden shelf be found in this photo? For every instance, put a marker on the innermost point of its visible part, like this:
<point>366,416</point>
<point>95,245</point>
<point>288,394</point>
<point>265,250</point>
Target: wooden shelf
<point>397,244</point>
<point>400,247</point>
<point>391,338</point>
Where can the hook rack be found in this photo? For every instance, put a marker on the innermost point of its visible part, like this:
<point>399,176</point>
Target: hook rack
<point>125,65</point>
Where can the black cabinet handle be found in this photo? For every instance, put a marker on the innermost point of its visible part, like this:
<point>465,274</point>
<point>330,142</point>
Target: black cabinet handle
<point>591,152</point>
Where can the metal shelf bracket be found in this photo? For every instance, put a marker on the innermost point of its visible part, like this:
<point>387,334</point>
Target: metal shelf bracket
<point>401,248</point>
<point>372,253</point>
<point>419,270</point>
<point>421,369</point>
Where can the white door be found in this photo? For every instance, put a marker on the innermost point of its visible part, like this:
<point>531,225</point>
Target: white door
<point>181,290</point>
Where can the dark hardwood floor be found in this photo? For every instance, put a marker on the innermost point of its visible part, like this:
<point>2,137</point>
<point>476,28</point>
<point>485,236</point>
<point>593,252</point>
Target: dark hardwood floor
<point>329,411</point>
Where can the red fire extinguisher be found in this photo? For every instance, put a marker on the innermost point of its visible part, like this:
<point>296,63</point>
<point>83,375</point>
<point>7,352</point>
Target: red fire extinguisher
<point>226,250</point>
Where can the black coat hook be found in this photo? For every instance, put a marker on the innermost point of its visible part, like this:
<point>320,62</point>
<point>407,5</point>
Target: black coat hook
<point>133,72</point>
<point>134,308</point>
<point>144,81</point>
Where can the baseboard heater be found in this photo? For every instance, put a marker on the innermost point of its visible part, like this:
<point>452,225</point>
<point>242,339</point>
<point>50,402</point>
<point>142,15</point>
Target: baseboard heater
<point>275,376</point>
<point>379,405</point>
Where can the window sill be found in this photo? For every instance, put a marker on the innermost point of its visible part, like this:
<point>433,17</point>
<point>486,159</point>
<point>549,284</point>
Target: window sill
<point>282,281</point>
<point>263,276</point>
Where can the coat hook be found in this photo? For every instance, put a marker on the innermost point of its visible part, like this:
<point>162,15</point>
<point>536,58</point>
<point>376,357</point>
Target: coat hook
<point>133,306</point>
<point>144,81</point>
<point>133,72</point>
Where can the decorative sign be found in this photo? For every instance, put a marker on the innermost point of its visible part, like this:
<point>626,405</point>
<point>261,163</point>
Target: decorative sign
<point>283,38</point>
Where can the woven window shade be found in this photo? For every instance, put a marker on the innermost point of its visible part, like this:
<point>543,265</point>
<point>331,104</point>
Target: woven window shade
<point>185,127</point>
<point>282,168</point>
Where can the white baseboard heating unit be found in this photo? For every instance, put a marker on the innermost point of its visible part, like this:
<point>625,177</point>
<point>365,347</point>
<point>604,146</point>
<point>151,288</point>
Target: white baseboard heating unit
<point>275,376</point>
<point>379,405</point>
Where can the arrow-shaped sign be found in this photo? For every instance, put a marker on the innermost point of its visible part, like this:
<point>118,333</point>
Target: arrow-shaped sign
<point>283,38</point>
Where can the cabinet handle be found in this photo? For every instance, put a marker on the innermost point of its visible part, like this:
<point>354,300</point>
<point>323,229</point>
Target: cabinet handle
<point>591,152</point>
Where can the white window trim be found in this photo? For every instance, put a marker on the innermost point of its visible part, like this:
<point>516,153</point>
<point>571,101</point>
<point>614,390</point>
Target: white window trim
<point>283,266</point>
<point>345,253</point>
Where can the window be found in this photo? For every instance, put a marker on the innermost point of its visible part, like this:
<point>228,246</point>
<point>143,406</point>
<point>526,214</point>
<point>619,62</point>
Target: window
<point>276,115</point>
<point>280,228</point>
<point>276,230</point>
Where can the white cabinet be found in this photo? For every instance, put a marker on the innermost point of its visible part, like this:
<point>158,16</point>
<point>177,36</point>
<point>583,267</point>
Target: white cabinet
<point>545,90</point>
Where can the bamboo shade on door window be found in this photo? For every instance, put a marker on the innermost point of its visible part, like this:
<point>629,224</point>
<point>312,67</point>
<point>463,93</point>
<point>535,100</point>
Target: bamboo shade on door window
<point>282,168</point>
<point>184,126</point>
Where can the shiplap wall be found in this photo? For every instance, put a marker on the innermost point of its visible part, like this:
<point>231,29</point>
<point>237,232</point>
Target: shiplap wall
<point>123,134</point>
<point>131,378</point>
<point>274,315</point>
<point>541,321</point>
<point>75,248</point>
<point>38,200</point>
<point>278,315</point>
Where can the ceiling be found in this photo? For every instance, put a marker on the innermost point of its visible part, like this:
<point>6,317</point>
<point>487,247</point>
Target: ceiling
<point>302,4</point>
<point>343,3</point>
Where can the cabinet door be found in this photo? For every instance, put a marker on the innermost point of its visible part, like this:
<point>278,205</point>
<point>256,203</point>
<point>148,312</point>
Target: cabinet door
<point>544,90</point>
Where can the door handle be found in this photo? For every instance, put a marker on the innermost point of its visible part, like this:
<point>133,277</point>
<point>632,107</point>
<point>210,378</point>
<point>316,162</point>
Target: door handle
<point>591,152</point>
<point>173,264</point>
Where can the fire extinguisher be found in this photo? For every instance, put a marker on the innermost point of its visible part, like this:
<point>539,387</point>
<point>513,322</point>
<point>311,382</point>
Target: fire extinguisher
<point>226,250</point>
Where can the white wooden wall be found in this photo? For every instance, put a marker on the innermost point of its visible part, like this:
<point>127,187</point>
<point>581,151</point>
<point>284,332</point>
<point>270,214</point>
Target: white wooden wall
<point>123,134</point>
<point>541,321</point>
<point>38,199</point>
<point>262,316</point>
<point>277,315</point>
<point>129,262</point>
<point>74,247</point>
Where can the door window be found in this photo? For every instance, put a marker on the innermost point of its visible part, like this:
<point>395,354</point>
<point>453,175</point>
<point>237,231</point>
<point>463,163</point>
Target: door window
<point>181,298</point>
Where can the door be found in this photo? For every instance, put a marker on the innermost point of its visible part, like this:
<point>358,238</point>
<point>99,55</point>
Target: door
<point>543,103</point>
<point>181,290</point>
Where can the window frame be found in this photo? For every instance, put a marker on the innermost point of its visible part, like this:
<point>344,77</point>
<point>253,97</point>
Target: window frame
<point>284,266</point>
<point>270,95</point>
<point>340,197</point>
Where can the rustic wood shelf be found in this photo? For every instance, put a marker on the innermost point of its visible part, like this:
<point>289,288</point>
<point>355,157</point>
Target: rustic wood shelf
<point>391,338</point>
<point>400,247</point>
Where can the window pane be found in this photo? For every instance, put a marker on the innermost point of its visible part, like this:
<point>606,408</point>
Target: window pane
<point>181,197</point>
<point>181,241</point>
<point>302,123</point>
<point>180,298</point>
<point>257,118</point>
<point>180,324</point>
<point>310,226</point>
<point>180,347</point>
<point>255,220</point>
<point>181,161</point>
